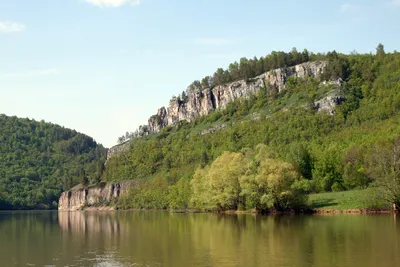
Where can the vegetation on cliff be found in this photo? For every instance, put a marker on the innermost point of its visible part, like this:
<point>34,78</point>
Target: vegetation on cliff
<point>353,148</point>
<point>39,160</point>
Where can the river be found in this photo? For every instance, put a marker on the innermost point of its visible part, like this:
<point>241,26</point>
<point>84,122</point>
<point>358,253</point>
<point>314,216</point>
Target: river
<point>127,238</point>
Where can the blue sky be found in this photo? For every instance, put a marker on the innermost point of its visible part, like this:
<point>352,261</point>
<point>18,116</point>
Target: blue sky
<point>103,67</point>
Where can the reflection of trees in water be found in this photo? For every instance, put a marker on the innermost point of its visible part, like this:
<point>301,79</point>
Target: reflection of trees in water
<point>297,240</point>
<point>24,235</point>
<point>164,239</point>
<point>236,240</point>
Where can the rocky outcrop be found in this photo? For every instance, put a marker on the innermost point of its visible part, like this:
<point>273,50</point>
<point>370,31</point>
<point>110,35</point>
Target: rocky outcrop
<point>203,102</point>
<point>115,150</point>
<point>78,198</point>
<point>329,102</point>
<point>158,121</point>
<point>214,129</point>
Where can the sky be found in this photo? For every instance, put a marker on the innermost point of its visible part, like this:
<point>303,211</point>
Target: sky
<point>103,67</point>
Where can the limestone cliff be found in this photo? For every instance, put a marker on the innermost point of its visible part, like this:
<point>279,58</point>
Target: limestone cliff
<point>329,102</point>
<point>78,198</point>
<point>203,102</point>
<point>200,103</point>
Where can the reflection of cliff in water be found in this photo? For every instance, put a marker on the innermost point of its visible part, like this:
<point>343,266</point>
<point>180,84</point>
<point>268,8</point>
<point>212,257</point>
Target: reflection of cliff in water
<point>91,223</point>
<point>99,234</point>
<point>155,238</point>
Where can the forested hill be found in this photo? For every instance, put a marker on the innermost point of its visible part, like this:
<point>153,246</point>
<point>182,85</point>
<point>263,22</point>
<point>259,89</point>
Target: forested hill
<point>241,156</point>
<point>39,160</point>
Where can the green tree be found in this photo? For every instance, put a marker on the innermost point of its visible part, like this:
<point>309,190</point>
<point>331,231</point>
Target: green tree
<point>354,173</point>
<point>83,178</point>
<point>384,167</point>
<point>217,187</point>
<point>380,51</point>
<point>179,194</point>
<point>274,184</point>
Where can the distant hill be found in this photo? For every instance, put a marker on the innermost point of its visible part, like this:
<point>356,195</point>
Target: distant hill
<point>39,160</point>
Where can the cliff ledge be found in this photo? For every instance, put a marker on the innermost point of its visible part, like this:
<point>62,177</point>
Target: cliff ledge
<point>80,197</point>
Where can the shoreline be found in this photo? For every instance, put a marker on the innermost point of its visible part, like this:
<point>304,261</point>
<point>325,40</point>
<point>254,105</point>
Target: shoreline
<point>363,211</point>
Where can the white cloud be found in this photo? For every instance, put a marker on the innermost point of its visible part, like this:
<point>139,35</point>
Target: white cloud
<point>10,27</point>
<point>113,3</point>
<point>212,41</point>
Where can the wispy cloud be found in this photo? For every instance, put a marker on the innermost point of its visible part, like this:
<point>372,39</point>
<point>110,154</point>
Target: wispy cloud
<point>345,8</point>
<point>10,27</point>
<point>31,73</point>
<point>113,3</point>
<point>212,41</point>
<point>395,3</point>
<point>350,8</point>
<point>355,12</point>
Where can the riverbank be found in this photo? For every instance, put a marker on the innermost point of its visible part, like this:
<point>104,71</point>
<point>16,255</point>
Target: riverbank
<point>105,198</point>
<point>365,201</point>
<point>239,212</point>
<point>255,212</point>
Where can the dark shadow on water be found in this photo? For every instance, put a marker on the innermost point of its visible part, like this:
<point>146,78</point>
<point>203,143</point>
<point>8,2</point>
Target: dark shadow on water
<point>321,203</point>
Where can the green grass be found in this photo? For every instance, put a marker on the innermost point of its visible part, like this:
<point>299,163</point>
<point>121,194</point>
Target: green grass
<point>355,199</point>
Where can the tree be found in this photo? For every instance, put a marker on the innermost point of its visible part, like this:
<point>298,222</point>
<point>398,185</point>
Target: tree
<point>179,194</point>
<point>328,169</point>
<point>354,173</point>
<point>380,51</point>
<point>274,184</point>
<point>384,167</point>
<point>300,156</point>
<point>184,96</point>
<point>206,82</point>
<point>194,86</point>
<point>234,70</point>
<point>83,178</point>
<point>217,187</point>
<point>99,172</point>
<point>305,55</point>
<point>121,139</point>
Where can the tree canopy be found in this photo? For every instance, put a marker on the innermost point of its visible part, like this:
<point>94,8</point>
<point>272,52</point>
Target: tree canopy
<point>39,160</point>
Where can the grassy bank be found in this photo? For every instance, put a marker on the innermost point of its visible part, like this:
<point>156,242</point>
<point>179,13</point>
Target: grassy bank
<point>356,199</point>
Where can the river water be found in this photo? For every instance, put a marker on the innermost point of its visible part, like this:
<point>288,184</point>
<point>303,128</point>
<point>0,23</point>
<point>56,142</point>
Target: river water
<point>165,239</point>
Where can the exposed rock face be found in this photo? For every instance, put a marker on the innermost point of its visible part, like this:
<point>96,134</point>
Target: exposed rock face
<point>76,199</point>
<point>329,102</point>
<point>118,149</point>
<point>200,103</point>
<point>158,121</point>
<point>214,129</point>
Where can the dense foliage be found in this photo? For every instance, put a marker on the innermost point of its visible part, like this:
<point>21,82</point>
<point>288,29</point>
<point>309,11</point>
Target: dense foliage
<point>249,181</point>
<point>354,148</point>
<point>244,180</point>
<point>249,68</point>
<point>39,160</point>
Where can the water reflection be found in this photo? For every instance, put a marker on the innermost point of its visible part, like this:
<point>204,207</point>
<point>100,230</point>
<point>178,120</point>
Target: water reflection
<point>163,239</point>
